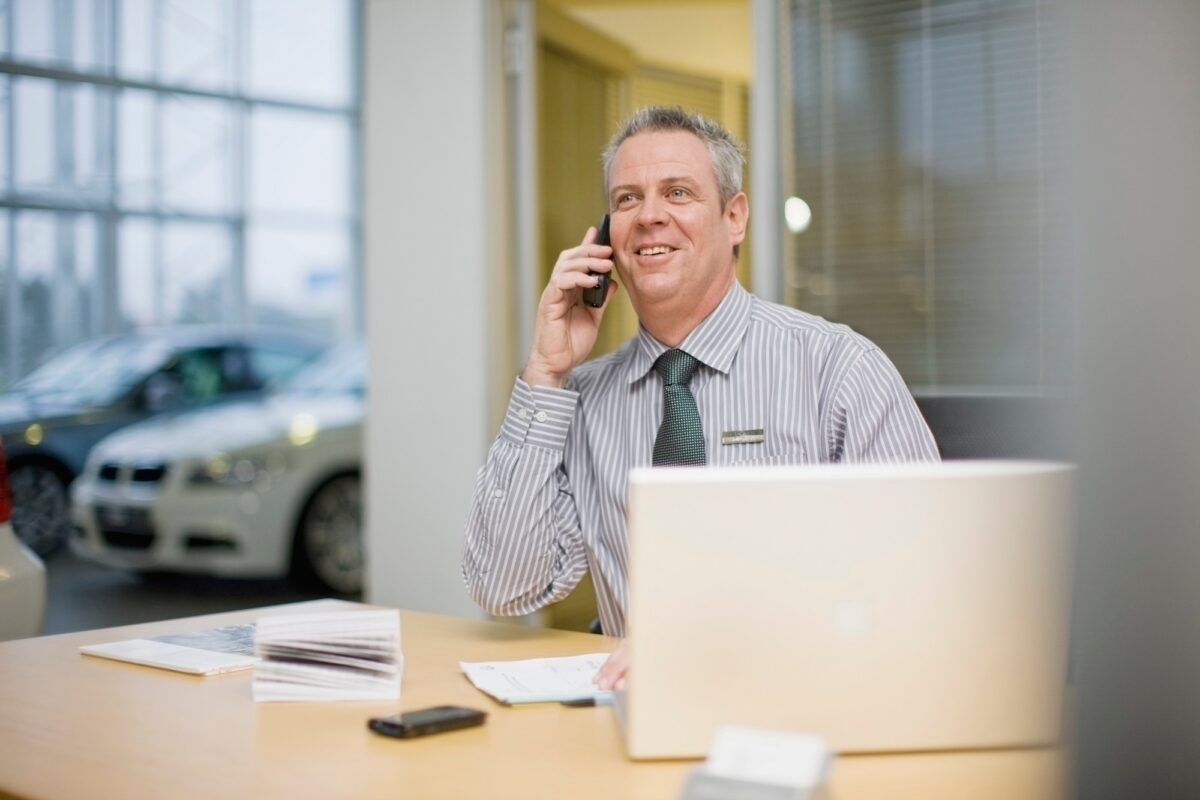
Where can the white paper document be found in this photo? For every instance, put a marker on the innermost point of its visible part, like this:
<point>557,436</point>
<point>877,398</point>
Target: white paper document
<point>539,680</point>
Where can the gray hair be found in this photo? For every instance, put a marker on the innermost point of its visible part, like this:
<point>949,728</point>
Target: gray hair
<point>725,151</point>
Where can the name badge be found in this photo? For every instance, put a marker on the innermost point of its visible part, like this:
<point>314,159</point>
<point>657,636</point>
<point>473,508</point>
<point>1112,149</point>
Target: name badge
<point>742,437</point>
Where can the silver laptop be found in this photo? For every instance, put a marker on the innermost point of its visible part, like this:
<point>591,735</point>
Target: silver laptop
<point>883,608</point>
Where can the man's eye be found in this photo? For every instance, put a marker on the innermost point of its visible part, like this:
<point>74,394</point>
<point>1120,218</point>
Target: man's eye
<point>625,198</point>
<point>677,192</point>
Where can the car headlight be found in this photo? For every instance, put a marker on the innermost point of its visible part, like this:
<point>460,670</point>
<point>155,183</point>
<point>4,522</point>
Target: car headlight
<point>238,471</point>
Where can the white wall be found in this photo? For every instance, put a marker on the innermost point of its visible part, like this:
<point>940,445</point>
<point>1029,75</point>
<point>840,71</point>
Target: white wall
<point>429,230</point>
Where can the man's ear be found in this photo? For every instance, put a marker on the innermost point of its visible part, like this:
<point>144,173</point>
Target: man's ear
<point>737,214</point>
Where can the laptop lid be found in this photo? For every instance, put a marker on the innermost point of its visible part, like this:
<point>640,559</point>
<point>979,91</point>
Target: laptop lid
<point>881,607</point>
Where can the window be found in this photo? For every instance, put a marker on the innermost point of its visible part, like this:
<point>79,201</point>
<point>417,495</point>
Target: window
<point>918,136</point>
<point>273,366</point>
<point>171,162</point>
<point>199,374</point>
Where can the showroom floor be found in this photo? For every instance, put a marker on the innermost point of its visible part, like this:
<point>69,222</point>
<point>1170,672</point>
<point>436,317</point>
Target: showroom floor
<point>82,595</point>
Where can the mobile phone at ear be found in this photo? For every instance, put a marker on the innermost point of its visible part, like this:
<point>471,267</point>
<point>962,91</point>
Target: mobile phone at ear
<point>411,724</point>
<point>594,296</point>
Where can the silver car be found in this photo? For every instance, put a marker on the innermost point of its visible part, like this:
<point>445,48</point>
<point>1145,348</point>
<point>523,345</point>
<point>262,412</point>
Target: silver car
<point>263,488</point>
<point>51,419</point>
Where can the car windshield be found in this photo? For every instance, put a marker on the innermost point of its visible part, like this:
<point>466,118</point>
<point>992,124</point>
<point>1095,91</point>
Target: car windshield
<point>95,372</point>
<point>341,371</point>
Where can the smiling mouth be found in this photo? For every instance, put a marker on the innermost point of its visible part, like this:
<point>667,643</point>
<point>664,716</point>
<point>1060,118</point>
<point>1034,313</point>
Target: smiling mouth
<point>657,250</point>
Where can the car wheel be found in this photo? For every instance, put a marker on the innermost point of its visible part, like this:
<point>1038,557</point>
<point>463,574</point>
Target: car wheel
<point>41,515</point>
<point>329,542</point>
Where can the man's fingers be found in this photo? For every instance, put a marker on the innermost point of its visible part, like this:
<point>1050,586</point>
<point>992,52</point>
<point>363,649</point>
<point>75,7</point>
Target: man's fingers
<point>589,264</point>
<point>593,258</point>
<point>586,255</point>
<point>612,672</point>
<point>567,281</point>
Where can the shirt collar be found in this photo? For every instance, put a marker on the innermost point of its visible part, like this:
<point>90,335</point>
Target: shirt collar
<point>715,341</point>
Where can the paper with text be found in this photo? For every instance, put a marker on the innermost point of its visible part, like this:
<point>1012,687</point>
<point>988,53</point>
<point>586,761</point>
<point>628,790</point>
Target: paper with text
<point>539,680</point>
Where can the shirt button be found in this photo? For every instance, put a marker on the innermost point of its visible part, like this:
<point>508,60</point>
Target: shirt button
<point>523,413</point>
<point>498,494</point>
<point>541,416</point>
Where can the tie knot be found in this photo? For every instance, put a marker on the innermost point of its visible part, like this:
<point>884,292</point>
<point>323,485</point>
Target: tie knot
<point>676,367</point>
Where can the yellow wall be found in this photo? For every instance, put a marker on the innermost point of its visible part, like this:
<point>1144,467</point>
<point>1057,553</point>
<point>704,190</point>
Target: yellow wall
<point>699,37</point>
<point>588,82</point>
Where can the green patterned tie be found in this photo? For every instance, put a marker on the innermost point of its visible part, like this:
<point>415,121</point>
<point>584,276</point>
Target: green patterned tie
<point>680,439</point>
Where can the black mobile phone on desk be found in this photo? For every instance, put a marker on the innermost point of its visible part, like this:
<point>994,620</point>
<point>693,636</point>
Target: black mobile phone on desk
<point>427,720</point>
<point>594,296</point>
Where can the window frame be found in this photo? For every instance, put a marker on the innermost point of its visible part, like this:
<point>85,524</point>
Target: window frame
<point>102,75</point>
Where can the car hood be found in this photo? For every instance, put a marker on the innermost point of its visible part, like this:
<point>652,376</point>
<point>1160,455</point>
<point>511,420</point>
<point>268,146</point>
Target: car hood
<point>228,428</point>
<point>18,410</point>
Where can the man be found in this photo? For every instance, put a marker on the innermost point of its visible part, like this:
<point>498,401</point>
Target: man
<point>769,384</point>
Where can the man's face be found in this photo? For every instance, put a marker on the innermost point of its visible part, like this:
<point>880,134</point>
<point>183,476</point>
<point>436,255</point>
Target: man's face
<point>671,239</point>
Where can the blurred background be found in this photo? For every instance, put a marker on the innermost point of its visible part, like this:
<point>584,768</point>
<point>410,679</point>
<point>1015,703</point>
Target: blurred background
<point>174,164</point>
<point>999,193</point>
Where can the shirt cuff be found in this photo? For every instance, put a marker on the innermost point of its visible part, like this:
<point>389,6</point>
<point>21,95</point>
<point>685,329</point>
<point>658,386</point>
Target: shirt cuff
<point>539,415</point>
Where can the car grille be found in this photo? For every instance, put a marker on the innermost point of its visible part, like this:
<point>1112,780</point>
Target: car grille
<point>125,527</point>
<point>127,541</point>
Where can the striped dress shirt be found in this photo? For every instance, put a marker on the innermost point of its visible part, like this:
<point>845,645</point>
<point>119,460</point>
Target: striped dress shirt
<point>549,502</point>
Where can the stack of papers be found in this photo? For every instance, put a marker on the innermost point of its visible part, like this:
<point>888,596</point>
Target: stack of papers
<point>208,652</point>
<point>346,655</point>
<point>540,680</point>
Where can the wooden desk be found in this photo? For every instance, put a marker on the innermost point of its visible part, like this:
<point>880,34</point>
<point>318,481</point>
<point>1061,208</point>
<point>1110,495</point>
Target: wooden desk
<point>75,726</point>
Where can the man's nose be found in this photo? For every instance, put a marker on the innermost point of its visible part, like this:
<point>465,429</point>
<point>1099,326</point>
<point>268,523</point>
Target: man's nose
<point>652,211</point>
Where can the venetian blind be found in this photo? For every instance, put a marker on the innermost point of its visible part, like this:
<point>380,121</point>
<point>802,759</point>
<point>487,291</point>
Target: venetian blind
<point>918,135</point>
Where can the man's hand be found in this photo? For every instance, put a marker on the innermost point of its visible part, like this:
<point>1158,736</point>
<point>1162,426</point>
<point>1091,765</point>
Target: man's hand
<point>612,674</point>
<point>565,331</point>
